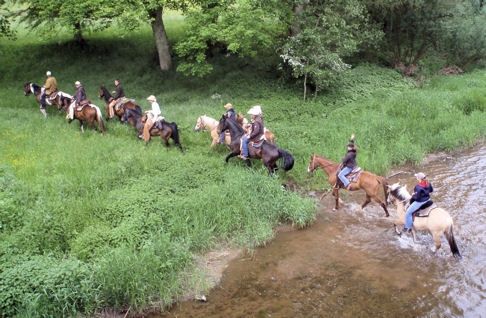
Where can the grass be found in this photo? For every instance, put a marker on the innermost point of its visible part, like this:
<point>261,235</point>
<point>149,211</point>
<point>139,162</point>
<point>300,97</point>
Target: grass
<point>90,221</point>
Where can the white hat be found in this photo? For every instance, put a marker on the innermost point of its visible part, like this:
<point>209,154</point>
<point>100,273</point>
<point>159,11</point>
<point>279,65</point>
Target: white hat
<point>77,83</point>
<point>151,98</point>
<point>255,110</point>
<point>420,176</point>
<point>48,73</point>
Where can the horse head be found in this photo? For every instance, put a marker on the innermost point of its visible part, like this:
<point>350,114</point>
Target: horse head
<point>312,166</point>
<point>398,192</point>
<point>104,93</point>
<point>199,124</point>
<point>28,89</point>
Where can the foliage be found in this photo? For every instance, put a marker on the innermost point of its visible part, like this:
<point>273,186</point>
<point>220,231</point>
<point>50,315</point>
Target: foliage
<point>329,32</point>
<point>101,221</point>
<point>464,36</point>
<point>5,29</point>
<point>242,27</point>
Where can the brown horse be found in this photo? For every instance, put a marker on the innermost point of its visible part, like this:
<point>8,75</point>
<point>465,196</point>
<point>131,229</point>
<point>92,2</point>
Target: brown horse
<point>268,135</point>
<point>162,128</point>
<point>104,94</point>
<point>88,114</point>
<point>367,181</point>
<point>268,153</point>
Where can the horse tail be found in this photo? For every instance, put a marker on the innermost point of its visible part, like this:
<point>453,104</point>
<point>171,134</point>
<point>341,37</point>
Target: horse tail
<point>452,242</point>
<point>99,118</point>
<point>175,135</point>
<point>288,160</point>
<point>384,183</point>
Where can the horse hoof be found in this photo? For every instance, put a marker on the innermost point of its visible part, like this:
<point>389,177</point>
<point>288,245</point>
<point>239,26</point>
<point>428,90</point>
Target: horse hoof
<point>334,209</point>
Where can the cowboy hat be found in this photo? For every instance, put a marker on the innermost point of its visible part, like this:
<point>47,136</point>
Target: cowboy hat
<point>420,176</point>
<point>228,106</point>
<point>151,98</point>
<point>255,110</point>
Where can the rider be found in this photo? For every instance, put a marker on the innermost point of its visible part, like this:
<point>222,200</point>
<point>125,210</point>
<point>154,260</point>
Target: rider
<point>50,87</point>
<point>420,196</point>
<point>255,133</point>
<point>152,117</point>
<point>229,114</point>
<point>119,93</point>
<point>79,97</point>
<point>348,163</point>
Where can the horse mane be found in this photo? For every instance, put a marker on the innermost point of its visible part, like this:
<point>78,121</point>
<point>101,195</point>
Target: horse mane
<point>400,192</point>
<point>234,125</point>
<point>106,93</point>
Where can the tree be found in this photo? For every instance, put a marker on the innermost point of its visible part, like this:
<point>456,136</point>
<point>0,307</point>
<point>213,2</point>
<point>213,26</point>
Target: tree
<point>240,27</point>
<point>328,32</point>
<point>4,23</point>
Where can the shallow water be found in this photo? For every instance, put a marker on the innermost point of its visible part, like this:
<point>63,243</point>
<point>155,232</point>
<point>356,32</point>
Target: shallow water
<point>350,263</point>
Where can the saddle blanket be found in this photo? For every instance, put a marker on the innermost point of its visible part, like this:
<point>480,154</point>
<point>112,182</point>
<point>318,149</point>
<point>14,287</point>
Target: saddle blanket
<point>122,101</point>
<point>354,175</point>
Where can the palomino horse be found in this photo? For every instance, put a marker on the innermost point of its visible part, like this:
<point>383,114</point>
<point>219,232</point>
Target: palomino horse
<point>105,94</point>
<point>207,123</point>
<point>88,114</point>
<point>269,153</point>
<point>32,88</point>
<point>367,181</point>
<point>438,221</point>
<point>267,134</point>
<point>162,128</point>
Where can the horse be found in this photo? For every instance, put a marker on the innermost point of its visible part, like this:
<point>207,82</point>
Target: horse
<point>161,128</point>
<point>88,114</point>
<point>267,134</point>
<point>207,123</point>
<point>367,181</point>
<point>36,90</point>
<point>438,221</point>
<point>268,153</point>
<point>103,93</point>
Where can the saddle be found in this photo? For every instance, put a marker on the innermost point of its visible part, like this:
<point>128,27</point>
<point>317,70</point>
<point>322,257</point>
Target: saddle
<point>82,104</point>
<point>425,209</point>
<point>159,123</point>
<point>255,148</point>
<point>122,101</point>
<point>353,176</point>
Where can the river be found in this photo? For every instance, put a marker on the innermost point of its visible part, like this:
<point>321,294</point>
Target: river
<point>350,263</point>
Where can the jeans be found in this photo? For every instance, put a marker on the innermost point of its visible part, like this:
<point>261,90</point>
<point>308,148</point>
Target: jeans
<point>411,209</point>
<point>244,145</point>
<point>342,175</point>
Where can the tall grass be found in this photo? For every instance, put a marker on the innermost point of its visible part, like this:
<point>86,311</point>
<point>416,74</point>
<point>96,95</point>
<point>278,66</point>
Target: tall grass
<point>122,220</point>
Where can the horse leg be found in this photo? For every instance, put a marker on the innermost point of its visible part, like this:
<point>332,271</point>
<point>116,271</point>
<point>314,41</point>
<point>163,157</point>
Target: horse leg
<point>437,243</point>
<point>381,203</point>
<point>81,125</point>
<point>335,193</point>
<point>231,155</point>
<point>368,200</point>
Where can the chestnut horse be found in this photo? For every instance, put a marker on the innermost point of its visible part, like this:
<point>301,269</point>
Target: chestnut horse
<point>267,134</point>
<point>162,128</point>
<point>268,153</point>
<point>88,114</point>
<point>438,222</point>
<point>367,181</point>
<point>105,94</point>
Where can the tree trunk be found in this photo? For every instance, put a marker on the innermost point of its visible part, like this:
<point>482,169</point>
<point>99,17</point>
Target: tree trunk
<point>78,35</point>
<point>295,26</point>
<point>161,41</point>
<point>305,86</point>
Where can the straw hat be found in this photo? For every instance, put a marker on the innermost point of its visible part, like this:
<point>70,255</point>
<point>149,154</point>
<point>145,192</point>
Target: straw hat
<point>152,99</point>
<point>420,176</point>
<point>255,110</point>
<point>228,106</point>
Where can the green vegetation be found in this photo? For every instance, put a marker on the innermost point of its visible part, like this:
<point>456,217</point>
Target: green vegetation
<point>90,221</point>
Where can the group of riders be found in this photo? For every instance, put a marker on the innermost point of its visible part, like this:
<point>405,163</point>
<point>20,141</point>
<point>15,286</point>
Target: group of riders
<point>254,134</point>
<point>79,99</point>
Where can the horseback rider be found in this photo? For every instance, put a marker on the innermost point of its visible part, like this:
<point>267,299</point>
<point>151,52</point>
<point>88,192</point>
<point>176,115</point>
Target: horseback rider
<point>118,94</point>
<point>153,116</point>
<point>78,99</point>
<point>229,114</point>
<point>348,163</point>
<point>255,133</point>
<point>48,89</point>
<point>420,196</point>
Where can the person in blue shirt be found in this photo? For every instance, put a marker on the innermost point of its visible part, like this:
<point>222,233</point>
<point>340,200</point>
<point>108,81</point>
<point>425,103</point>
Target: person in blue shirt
<point>420,196</point>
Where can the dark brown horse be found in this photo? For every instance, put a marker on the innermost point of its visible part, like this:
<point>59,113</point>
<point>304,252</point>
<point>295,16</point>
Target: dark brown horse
<point>106,96</point>
<point>268,153</point>
<point>267,134</point>
<point>161,128</point>
<point>89,114</point>
<point>367,181</point>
